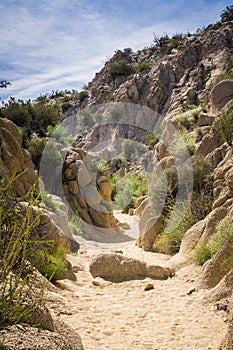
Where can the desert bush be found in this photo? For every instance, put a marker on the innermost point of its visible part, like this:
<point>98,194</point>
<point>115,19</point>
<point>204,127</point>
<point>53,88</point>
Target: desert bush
<point>161,40</point>
<point>132,150</point>
<point>183,145</point>
<point>141,67</point>
<point>16,278</point>
<point>127,189</point>
<point>82,95</point>
<point>202,254</point>
<point>99,166</point>
<point>117,163</point>
<point>224,76</point>
<point>49,258</point>
<point>75,225</point>
<point>189,117</point>
<point>171,237</point>
<point>227,14</point>
<point>120,68</point>
<point>225,126</point>
<point>35,147</point>
<point>206,251</point>
<point>32,117</point>
<point>201,173</point>
<point>176,40</point>
<point>150,139</point>
<point>49,202</point>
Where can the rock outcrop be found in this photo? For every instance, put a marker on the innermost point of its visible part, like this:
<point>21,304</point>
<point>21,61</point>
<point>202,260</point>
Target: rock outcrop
<point>87,187</point>
<point>170,78</point>
<point>221,94</point>
<point>15,162</point>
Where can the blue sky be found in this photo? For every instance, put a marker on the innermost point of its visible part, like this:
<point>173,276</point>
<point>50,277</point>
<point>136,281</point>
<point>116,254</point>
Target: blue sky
<point>60,44</point>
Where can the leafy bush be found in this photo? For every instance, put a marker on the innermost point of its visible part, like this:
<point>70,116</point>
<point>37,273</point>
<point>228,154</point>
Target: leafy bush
<point>116,163</point>
<point>224,232</point>
<point>49,258</point>
<point>162,40</point>
<point>183,146</point>
<point>99,166</point>
<point>201,173</point>
<point>171,237</point>
<point>176,40</point>
<point>120,68</point>
<point>132,150</point>
<point>224,76</point>
<point>16,277</point>
<point>189,118</point>
<point>75,225</point>
<point>225,126</point>
<point>82,95</point>
<point>35,147</point>
<point>49,202</point>
<point>202,254</point>
<point>126,190</point>
<point>141,67</point>
<point>227,14</point>
<point>32,117</point>
<point>150,139</point>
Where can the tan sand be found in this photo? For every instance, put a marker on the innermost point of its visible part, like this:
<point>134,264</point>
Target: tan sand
<point>123,316</point>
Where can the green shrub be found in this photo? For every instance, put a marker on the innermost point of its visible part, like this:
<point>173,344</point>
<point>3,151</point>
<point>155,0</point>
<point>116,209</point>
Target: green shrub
<point>49,202</point>
<point>117,163</point>
<point>140,67</point>
<point>183,146</point>
<point>82,95</point>
<point>110,96</point>
<point>227,14</point>
<point>16,277</point>
<point>206,251</point>
<point>150,139</point>
<point>49,258</point>
<point>161,40</point>
<point>50,160</point>
<point>171,237</point>
<point>127,189</point>
<point>189,118</point>
<point>99,166</point>
<point>32,117</point>
<point>120,68</point>
<point>202,254</point>
<point>176,40</point>
<point>132,150</point>
<point>225,126</point>
<point>224,76</point>
<point>201,173</point>
<point>35,147</point>
<point>75,225</point>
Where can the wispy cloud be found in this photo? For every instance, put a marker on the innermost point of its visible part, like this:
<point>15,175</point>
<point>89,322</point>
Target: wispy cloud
<point>61,44</point>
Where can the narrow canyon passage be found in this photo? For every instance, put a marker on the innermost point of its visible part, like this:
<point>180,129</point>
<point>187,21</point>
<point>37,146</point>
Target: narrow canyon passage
<point>119,316</point>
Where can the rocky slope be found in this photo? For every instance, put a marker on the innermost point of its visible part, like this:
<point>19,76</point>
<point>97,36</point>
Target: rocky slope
<point>168,78</point>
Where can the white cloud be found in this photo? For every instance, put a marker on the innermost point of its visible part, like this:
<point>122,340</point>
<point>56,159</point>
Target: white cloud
<point>61,44</point>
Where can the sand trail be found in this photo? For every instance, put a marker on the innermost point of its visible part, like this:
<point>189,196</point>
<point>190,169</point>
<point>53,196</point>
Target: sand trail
<point>123,316</point>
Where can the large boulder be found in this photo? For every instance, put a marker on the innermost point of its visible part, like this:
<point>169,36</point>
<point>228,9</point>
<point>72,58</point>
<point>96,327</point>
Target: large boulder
<point>31,338</point>
<point>15,162</point>
<point>118,268</point>
<point>221,94</point>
